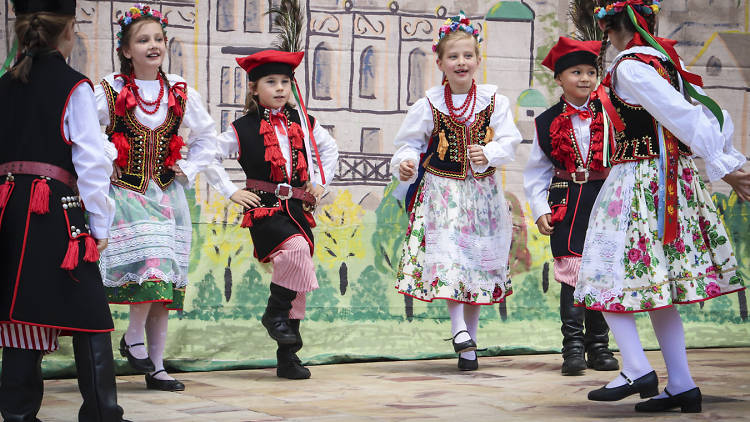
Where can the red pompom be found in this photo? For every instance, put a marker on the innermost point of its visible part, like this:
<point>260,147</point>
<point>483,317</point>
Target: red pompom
<point>175,145</point>
<point>123,148</point>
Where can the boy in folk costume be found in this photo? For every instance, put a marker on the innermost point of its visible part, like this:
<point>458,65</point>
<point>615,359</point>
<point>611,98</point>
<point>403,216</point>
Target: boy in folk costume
<point>562,179</point>
<point>275,144</point>
<point>52,162</point>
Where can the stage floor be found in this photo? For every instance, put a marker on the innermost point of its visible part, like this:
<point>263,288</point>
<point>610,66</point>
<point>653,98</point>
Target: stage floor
<point>505,388</point>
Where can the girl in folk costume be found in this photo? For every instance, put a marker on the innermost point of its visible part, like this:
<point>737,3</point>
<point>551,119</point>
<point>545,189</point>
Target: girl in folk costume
<point>275,143</point>
<point>562,178</point>
<point>458,239</point>
<point>52,164</point>
<point>146,265</point>
<point>654,237</point>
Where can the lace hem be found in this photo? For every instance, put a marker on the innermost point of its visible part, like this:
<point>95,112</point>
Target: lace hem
<point>149,274</point>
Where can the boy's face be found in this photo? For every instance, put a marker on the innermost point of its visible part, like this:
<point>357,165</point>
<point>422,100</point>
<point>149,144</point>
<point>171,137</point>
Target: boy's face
<point>577,82</point>
<point>273,91</point>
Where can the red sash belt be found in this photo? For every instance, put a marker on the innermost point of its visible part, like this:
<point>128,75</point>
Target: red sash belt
<point>37,168</point>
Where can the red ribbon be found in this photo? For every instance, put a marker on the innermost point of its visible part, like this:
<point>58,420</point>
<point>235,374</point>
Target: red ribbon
<point>602,95</point>
<point>278,120</point>
<point>177,90</point>
<point>670,194</point>
<point>126,98</point>
<point>583,113</point>
<point>665,43</point>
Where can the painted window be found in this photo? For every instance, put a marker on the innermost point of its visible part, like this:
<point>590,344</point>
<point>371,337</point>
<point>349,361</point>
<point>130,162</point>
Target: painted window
<point>239,85</point>
<point>176,58</point>
<point>367,66</point>
<point>226,85</point>
<point>225,15</point>
<point>252,15</point>
<point>271,16</point>
<point>322,72</point>
<point>417,68</point>
<point>370,140</point>
<point>79,57</point>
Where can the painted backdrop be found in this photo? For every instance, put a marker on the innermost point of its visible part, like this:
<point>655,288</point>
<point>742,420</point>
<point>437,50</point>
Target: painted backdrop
<point>367,61</point>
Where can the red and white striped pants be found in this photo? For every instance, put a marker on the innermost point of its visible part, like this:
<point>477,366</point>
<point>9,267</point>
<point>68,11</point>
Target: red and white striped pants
<point>293,269</point>
<point>30,337</point>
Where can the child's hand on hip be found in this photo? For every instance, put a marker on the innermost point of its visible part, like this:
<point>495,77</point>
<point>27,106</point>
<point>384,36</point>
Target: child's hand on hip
<point>245,198</point>
<point>315,190</point>
<point>476,155</point>
<point>177,170</point>
<point>406,170</point>
<point>116,173</point>
<point>101,244</point>
<point>544,225</point>
<point>739,180</point>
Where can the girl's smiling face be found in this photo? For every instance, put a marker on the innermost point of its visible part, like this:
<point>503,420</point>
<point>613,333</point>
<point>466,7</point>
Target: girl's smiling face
<point>459,61</point>
<point>146,48</point>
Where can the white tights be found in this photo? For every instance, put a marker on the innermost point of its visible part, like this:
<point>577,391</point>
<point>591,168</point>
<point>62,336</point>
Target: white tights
<point>669,332</point>
<point>464,317</point>
<point>151,318</point>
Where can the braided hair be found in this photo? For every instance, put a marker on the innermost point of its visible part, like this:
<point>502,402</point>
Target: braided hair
<point>37,34</point>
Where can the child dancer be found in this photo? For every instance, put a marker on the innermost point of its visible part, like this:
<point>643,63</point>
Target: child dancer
<point>52,163</point>
<point>146,265</point>
<point>459,233</point>
<point>275,143</point>
<point>562,178</point>
<point>654,238</point>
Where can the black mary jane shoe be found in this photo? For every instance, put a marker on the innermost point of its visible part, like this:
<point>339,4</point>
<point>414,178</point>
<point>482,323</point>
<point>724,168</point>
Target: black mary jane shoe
<point>689,401</point>
<point>465,346</point>
<point>141,365</point>
<point>647,386</point>
<point>163,385</point>
<point>467,364</point>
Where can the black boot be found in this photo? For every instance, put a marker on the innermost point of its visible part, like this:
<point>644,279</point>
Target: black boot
<point>21,385</point>
<point>276,317</point>
<point>572,331</point>
<point>288,363</point>
<point>96,377</point>
<point>598,355</point>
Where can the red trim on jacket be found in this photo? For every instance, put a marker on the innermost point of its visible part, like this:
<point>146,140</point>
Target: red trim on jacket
<point>67,100</point>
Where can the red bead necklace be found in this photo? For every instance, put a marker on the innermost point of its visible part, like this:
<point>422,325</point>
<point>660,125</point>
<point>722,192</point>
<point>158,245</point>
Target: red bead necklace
<point>458,113</point>
<point>156,103</point>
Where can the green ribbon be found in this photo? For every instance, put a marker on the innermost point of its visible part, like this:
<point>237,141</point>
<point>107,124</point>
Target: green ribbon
<point>703,99</point>
<point>9,59</point>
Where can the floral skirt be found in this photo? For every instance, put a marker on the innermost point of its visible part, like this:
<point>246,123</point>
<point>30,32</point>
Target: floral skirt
<point>457,242</point>
<point>149,246</point>
<point>627,268</point>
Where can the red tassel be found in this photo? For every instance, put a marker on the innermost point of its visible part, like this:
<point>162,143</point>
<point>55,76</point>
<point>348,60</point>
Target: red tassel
<point>558,214</point>
<point>296,135</point>
<point>301,166</point>
<point>175,144</point>
<point>265,129</point>
<point>247,220</point>
<point>5,189</point>
<point>39,203</point>
<point>310,219</point>
<point>70,261</point>
<point>123,149</point>
<point>92,253</point>
<point>257,214</point>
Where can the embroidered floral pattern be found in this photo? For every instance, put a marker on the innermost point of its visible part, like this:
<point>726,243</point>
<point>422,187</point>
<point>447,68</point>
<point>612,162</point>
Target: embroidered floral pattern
<point>457,242</point>
<point>698,265</point>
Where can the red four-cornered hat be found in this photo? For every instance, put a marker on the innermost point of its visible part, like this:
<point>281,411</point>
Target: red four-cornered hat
<point>569,52</point>
<point>270,62</point>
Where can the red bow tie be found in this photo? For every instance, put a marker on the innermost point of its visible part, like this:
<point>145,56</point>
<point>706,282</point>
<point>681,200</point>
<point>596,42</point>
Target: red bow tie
<point>278,120</point>
<point>583,113</point>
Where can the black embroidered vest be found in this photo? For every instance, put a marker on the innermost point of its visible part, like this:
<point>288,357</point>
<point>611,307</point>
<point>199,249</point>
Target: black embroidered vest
<point>446,154</point>
<point>639,140</point>
<point>286,217</point>
<point>148,148</point>
<point>577,199</point>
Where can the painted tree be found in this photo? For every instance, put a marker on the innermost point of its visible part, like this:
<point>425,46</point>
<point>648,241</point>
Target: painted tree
<point>369,298</point>
<point>251,294</point>
<point>322,303</point>
<point>207,303</point>
<point>388,238</point>
<point>736,217</point>
<point>338,237</point>
<point>222,243</point>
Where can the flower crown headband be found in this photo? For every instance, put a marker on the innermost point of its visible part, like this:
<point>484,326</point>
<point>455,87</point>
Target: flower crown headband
<point>456,23</point>
<point>617,7</point>
<point>136,12</point>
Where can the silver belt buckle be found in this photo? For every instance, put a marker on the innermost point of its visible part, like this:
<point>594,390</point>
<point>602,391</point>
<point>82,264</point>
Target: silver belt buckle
<point>578,171</point>
<point>287,194</point>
